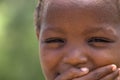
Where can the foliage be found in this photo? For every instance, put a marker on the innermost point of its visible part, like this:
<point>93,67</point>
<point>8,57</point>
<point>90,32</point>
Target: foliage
<point>19,59</point>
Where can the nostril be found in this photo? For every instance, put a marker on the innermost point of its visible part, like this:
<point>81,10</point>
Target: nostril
<point>57,74</point>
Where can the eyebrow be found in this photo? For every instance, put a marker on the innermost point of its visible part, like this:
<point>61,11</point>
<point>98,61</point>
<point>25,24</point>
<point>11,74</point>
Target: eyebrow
<point>57,30</point>
<point>93,30</point>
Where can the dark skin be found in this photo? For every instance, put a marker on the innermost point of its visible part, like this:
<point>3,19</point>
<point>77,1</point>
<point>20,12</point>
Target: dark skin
<point>79,40</point>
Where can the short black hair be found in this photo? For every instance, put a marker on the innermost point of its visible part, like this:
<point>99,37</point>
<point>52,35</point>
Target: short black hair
<point>37,14</point>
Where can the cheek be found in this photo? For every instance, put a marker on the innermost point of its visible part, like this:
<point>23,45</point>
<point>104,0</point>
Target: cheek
<point>106,57</point>
<point>116,53</point>
<point>50,59</point>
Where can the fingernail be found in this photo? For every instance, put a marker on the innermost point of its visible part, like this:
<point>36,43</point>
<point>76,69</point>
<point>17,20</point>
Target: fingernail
<point>118,78</point>
<point>85,69</point>
<point>119,71</point>
<point>114,67</point>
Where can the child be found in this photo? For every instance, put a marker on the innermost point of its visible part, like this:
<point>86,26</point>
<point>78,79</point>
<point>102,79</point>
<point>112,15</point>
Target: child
<point>79,39</point>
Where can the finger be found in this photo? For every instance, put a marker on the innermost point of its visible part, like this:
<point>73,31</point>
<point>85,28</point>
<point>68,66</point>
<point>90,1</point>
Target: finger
<point>72,73</point>
<point>99,73</point>
<point>118,78</point>
<point>111,76</point>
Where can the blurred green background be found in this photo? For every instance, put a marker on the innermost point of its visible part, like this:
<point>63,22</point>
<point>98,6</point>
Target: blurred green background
<point>19,58</point>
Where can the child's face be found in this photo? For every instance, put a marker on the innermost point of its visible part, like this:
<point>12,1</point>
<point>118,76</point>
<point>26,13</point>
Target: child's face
<point>75,35</point>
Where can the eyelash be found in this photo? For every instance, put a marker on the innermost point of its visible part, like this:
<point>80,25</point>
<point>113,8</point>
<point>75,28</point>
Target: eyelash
<point>96,42</point>
<point>91,40</point>
<point>99,39</point>
<point>54,40</point>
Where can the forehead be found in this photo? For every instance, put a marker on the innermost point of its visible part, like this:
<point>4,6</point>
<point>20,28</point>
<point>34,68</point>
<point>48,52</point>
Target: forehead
<point>100,9</point>
<point>73,16</point>
<point>78,12</point>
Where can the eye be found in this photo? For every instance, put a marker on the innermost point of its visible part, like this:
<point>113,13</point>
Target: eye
<point>54,43</point>
<point>54,40</point>
<point>99,39</point>
<point>99,42</point>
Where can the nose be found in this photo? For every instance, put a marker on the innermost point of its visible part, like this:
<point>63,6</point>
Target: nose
<point>75,57</point>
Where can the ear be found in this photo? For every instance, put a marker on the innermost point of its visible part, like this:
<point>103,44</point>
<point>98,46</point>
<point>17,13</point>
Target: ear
<point>38,33</point>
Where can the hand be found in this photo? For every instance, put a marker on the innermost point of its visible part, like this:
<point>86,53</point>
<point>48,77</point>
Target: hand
<point>72,73</point>
<point>109,72</point>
